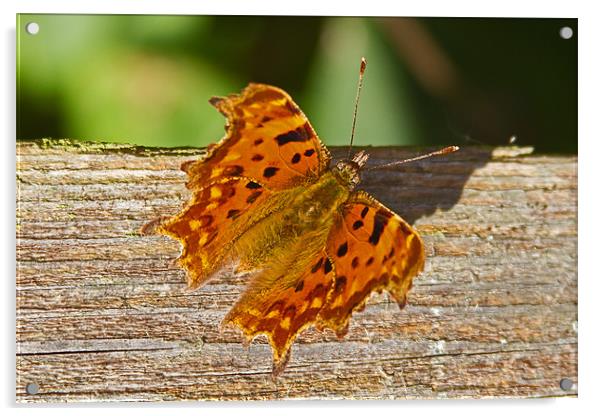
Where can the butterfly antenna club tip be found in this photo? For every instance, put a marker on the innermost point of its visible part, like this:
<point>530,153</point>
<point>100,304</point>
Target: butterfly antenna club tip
<point>444,151</point>
<point>363,64</point>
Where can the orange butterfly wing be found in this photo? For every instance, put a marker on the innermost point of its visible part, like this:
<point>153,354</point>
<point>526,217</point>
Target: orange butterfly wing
<point>372,249</point>
<point>216,215</point>
<point>282,308</point>
<point>268,140</point>
<point>269,147</point>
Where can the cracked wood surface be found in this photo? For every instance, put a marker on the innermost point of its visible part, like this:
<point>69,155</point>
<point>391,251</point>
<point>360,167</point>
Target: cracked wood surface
<point>104,314</point>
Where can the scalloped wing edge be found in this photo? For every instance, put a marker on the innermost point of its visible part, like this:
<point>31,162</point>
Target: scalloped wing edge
<point>226,104</point>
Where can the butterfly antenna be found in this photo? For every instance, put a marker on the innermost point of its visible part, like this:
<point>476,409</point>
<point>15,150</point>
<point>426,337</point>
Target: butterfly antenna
<point>363,64</point>
<point>444,151</point>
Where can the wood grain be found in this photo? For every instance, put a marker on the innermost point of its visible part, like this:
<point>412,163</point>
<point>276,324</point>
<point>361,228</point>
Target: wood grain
<point>103,313</point>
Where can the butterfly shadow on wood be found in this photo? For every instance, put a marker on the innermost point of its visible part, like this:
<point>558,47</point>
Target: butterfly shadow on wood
<point>419,189</point>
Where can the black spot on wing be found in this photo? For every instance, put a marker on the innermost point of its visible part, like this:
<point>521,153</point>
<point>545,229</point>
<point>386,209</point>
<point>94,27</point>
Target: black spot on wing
<point>299,286</point>
<point>309,152</point>
<point>358,224</point>
<point>380,221</point>
<point>296,158</point>
<point>342,250</point>
<point>269,172</point>
<point>364,212</point>
<point>297,135</point>
<point>257,158</point>
<point>253,185</point>
<point>317,266</point>
<point>327,267</point>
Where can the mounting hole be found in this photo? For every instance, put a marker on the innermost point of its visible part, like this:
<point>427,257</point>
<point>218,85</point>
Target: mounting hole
<point>32,388</point>
<point>32,28</point>
<point>566,384</point>
<point>566,32</point>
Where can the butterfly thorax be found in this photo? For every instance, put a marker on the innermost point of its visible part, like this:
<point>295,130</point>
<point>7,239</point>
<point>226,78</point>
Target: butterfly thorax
<point>347,172</point>
<point>317,203</point>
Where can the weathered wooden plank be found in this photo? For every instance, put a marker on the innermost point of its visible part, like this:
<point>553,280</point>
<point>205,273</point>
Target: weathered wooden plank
<point>104,314</point>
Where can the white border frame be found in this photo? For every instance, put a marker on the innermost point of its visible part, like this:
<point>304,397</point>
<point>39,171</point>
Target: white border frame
<point>590,140</point>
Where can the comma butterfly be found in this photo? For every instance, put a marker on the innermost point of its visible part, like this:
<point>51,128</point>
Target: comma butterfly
<point>266,199</point>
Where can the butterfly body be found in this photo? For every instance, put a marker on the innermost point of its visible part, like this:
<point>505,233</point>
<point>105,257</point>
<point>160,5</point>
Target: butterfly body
<point>308,210</point>
<point>266,199</point>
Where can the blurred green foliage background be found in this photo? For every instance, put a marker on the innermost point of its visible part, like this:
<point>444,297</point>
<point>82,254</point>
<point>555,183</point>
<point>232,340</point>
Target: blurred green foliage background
<point>146,79</point>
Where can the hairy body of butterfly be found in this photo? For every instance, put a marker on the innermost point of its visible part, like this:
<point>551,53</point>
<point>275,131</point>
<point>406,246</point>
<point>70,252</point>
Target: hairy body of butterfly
<point>266,199</point>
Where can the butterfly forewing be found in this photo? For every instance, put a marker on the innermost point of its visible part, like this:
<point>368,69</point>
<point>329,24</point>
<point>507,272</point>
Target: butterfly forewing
<point>215,216</point>
<point>269,146</point>
<point>268,140</point>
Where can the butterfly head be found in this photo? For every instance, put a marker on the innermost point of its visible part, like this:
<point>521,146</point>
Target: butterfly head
<point>348,171</point>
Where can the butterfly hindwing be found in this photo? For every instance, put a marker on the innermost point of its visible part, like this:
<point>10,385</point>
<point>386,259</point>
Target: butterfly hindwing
<point>372,249</point>
<point>285,297</point>
<point>268,140</point>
